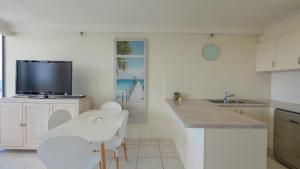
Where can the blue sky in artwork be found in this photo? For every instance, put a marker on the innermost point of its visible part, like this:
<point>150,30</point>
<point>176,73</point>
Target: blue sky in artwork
<point>135,63</point>
<point>137,47</point>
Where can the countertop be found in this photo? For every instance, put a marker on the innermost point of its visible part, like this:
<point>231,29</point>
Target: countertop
<point>198,113</point>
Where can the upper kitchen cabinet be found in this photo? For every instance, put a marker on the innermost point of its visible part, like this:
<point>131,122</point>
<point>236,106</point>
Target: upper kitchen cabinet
<point>266,56</point>
<point>282,53</point>
<point>288,52</point>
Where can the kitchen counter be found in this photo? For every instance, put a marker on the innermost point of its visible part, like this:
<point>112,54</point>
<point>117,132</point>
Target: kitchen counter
<point>205,132</point>
<point>199,113</point>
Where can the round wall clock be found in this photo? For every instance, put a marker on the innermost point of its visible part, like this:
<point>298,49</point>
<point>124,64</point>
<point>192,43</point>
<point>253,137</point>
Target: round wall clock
<point>210,52</point>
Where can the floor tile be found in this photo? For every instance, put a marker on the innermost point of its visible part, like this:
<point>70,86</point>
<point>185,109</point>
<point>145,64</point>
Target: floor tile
<point>7,155</point>
<point>132,151</point>
<point>149,163</point>
<point>109,157</point>
<point>20,162</point>
<point>132,141</point>
<point>149,151</point>
<point>149,142</point>
<point>36,165</point>
<point>172,163</point>
<point>133,130</point>
<point>131,164</point>
<point>165,142</point>
<point>168,151</point>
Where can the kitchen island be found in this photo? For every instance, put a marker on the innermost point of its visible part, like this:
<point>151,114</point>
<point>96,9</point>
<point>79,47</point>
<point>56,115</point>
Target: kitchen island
<point>209,137</point>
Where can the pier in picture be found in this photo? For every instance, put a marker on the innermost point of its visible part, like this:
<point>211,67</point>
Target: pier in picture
<point>130,79</point>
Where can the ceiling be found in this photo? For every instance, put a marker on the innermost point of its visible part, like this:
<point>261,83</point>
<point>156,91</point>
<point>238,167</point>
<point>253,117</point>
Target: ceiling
<point>144,15</point>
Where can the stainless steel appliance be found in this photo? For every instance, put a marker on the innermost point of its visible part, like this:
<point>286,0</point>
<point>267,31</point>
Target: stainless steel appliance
<point>287,138</point>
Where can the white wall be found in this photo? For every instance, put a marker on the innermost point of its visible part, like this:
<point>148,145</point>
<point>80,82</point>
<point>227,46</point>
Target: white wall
<point>282,26</point>
<point>286,86</point>
<point>175,63</point>
<point>5,29</point>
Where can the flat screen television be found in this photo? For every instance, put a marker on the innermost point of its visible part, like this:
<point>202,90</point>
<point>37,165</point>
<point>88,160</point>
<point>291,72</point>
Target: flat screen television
<point>43,77</point>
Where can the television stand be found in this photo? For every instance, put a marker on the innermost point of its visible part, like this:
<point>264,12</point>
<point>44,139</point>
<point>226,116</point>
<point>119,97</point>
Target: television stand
<point>24,120</point>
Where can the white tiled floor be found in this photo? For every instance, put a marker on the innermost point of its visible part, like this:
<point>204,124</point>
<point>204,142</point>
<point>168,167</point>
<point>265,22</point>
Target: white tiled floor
<point>143,154</point>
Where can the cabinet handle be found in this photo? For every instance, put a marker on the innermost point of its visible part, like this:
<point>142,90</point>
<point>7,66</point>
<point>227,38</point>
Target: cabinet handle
<point>298,60</point>
<point>293,121</point>
<point>21,124</point>
<point>273,64</point>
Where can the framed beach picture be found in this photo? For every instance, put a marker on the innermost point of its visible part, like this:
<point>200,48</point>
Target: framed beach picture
<point>130,77</point>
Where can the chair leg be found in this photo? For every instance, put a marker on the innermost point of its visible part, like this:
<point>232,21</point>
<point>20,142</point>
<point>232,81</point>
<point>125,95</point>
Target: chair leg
<point>116,159</point>
<point>125,149</point>
<point>100,166</point>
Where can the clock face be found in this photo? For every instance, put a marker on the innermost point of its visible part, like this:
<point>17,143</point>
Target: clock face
<point>210,52</point>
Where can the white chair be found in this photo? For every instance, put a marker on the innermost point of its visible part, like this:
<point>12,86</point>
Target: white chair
<point>119,139</point>
<point>111,106</point>
<point>68,152</point>
<point>58,118</point>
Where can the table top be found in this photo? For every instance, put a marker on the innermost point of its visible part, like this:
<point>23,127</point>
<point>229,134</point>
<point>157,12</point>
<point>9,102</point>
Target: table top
<point>94,126</point>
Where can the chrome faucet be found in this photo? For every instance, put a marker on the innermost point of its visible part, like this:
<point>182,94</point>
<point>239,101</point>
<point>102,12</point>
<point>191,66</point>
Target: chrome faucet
<point>226,97</point>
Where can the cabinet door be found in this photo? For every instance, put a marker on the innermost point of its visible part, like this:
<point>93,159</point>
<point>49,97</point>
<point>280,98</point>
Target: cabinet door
<point>11,124</point>
<point>36,121</point>
<point>257,113</point>
<point>288,52</point>
<point>72,108</point>
<point>265,56</point>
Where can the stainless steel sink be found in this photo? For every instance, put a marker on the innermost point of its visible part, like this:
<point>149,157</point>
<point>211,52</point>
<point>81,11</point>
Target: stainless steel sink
<point>221,101</point>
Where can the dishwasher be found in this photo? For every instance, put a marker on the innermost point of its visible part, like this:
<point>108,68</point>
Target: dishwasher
<point>287,138</point>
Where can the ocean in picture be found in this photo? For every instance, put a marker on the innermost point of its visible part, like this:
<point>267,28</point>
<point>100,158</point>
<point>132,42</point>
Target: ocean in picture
<point>130,90</point>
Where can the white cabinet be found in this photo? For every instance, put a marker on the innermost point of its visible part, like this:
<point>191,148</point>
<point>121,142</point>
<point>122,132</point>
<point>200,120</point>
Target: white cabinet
<point>282,53</point>
<point>266,56</point>
<point>263,114</point>
<point>23,121</point>
<point>11,124</point>
<point>35,122</point>
<point>257,113</point>
<point>288,52</point>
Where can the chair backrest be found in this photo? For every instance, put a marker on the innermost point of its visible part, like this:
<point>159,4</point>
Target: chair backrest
<point>67,152</point>
<point>111,106</point>
<point>123,128</point>
<point>58,117</point>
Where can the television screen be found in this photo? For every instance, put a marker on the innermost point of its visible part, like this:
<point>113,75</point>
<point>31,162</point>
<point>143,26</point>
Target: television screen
<point>44,77</point>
